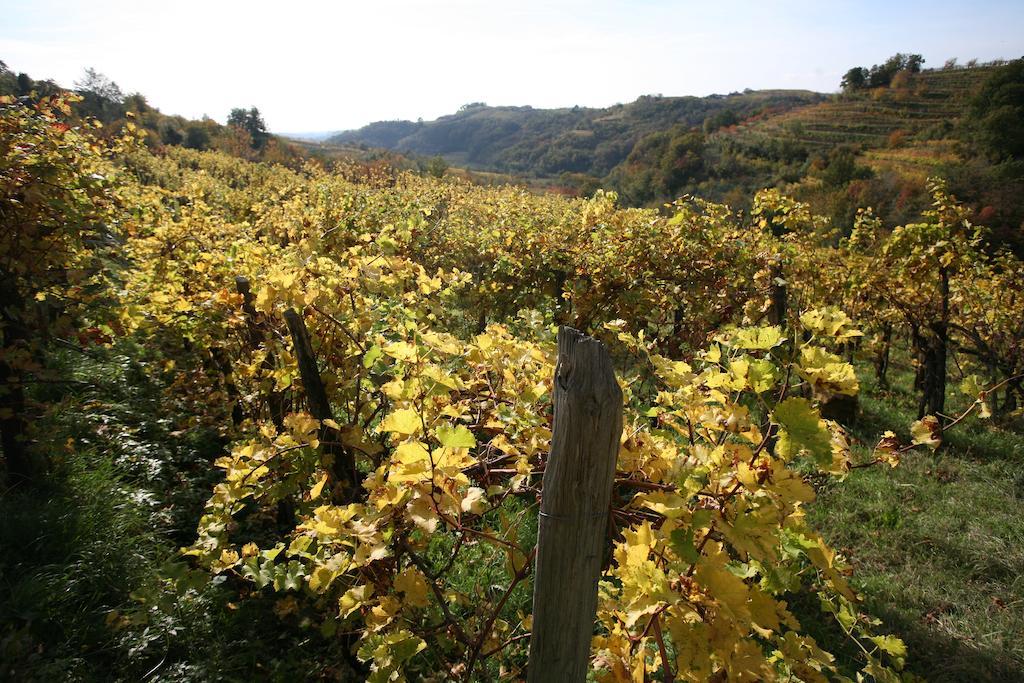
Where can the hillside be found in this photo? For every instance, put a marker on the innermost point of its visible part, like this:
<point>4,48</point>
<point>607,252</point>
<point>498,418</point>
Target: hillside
<point>100,99</point>
<point>915,112</point>
<point>926,103</point>
<point>870,147</point>
<point>549,142</point>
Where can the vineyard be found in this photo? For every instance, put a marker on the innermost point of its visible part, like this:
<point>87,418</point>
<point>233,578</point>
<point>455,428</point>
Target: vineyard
<point>355,368</point>
<point>930,99</point>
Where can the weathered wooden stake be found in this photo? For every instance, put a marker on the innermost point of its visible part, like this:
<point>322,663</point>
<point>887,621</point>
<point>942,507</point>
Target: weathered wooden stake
<point>344,465</point>
<point>575,504</point>
<point>316,395</point>
<point>779,296</point>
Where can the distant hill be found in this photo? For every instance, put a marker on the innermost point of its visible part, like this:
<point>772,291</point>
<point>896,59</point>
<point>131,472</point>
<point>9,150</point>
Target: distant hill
<point>550,142</point>
<point>928,102</point>
<point>720,146</point>
<point>911,126</point>
<point>872,145</point>
<point>876,147</point>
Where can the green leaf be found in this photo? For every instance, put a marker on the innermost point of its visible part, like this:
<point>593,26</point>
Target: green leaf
<point>272,553</point>
<point>455,437</point>
<point>289,577</point>
<point>802,430</point>
<point>762,375</point>
<point>970,386</point>
<point>682,544</point>
<point>891,645</point>
<point>701,518</point>
<point>388,653</point>
<point>371,356</point>
<point>387,245</point>
<point>262,574</point>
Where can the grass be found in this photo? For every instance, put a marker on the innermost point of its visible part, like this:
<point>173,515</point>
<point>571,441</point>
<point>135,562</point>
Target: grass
<point>481,573</point>
<point>937,545</point>
<point>72,554</point>
<point>91,584</point>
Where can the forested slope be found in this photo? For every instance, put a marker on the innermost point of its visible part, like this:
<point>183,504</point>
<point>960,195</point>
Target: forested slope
<point>550,142</point>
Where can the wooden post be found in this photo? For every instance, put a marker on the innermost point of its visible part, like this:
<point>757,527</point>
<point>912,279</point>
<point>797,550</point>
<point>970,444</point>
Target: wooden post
<point>575,505</point>
<point>316,394</point>
<point>343,465</point>
<point>779,295</point>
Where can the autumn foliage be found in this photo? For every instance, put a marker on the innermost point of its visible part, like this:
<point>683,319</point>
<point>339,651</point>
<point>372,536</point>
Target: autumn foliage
<point>429,305</point>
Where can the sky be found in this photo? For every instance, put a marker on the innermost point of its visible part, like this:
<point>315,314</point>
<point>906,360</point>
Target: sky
<point>319,66</point>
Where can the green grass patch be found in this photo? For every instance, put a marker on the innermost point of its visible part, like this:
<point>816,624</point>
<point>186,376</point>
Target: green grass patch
<point>92,587</point>
<point>937,545</point>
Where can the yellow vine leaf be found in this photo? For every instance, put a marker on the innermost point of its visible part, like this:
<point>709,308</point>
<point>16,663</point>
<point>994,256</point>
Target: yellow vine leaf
<point>405,421</point>
<point>927,432</point>
<point>318,487</point>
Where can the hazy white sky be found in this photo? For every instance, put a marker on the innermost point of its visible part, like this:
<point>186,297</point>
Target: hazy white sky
<point>312,66</point>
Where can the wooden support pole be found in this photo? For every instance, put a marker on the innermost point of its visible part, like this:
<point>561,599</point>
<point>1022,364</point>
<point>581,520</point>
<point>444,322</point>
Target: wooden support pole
<point>316,394</point>
<point>779,295</point>
<point>575,506</point>
<point>245,289</point>
<point>343,465</point>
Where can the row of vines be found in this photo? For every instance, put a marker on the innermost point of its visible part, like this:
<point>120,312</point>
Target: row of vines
<point>376,350</point>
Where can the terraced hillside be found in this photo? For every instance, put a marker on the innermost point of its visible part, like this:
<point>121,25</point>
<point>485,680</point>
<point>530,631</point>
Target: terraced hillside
<point>886,141</point>
<point>918,159</point>
<point>923,105</point>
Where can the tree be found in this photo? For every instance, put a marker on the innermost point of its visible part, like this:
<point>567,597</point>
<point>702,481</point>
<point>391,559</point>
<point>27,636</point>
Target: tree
<point>721,119</point>
<point>95,83</point>
<point>102,98</point>
<point>682,161</point>
<point>842,168</point>
<point>197,136</point>
<point>881,75</point>
<point>997,113</point>
<point>854,79</point>
<point>24,84</point>
<point>252,123</point>
<point>136,102</point>
<point>170,132</point>
<point>436,166</point>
